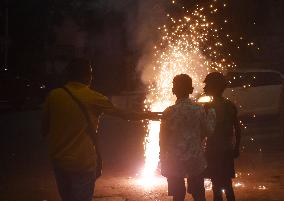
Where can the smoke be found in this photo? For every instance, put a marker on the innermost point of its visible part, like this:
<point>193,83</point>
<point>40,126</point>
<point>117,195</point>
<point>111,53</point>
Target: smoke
<point>184,50</point>
<point>150,15</point>
<point>143,17</point>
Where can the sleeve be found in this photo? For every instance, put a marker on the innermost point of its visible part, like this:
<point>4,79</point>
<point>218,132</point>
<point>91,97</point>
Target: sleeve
<point>102,104</point>
<point>163,133</point>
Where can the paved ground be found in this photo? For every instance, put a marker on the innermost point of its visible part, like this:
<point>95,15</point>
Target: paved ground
<point>26,174</point>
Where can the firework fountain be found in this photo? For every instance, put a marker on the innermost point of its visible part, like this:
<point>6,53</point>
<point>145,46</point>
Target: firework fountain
<point>191,44</point>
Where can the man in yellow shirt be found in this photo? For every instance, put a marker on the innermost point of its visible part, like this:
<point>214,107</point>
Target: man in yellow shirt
<point>71,147</point>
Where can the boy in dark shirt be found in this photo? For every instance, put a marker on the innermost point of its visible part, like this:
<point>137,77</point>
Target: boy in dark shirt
<point>223,146</point>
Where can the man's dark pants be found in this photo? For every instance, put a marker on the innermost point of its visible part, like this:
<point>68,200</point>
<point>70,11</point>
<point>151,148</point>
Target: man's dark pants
<point>195,187</point>
<point>218,185</point>
<point>75,186</point>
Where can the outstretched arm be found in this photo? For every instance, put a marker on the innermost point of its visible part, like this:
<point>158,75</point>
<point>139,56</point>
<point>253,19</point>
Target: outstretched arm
<point>103,105</point>
<point>131,115</point>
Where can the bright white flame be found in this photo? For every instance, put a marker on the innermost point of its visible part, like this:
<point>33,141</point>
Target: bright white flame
<point>262,187</point>
<point>207,184</point>
<point>239,184</point>
<point>153,182</point>
<point>205,99</point>
<point>151,144</point>
<point>152,149</point>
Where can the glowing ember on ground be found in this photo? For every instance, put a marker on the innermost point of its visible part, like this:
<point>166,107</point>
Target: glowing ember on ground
<point>207,184</point>
<point>153,182</point>
<point>262,187</point>
<point>239,184</point>
<point>193,45</point>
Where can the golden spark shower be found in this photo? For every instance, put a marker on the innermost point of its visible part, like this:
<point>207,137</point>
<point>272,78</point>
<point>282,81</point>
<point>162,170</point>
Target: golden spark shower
<point>191,44</point>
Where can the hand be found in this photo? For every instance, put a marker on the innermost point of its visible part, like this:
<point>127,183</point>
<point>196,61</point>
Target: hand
<point>136,116</point>
<point>155,116</point>
<point>236,153</point>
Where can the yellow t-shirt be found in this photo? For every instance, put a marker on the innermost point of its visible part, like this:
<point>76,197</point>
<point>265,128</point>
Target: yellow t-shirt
<point>70,147</point>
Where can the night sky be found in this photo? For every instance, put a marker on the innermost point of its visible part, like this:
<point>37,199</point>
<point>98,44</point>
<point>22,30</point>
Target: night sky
<point>44,35</point>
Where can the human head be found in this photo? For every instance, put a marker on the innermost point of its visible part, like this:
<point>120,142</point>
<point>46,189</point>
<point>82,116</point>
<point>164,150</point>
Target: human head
<point>79,70</point>
<point>215,84</point>
<point>182,86</point>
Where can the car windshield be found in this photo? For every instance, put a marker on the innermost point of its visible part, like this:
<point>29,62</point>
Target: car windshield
<point>253,79</point>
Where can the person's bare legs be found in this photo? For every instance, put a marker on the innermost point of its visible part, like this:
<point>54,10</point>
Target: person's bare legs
<point>176,188</point>
<point>217,190</point>
<point>230,195</point>
<point>196,188</point>
<point>178,197</point>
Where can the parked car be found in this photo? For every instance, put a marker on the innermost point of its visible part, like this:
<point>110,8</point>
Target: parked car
<point>256,92</point>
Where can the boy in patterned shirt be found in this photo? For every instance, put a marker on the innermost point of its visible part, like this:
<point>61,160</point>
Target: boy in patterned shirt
<point>183,128</point>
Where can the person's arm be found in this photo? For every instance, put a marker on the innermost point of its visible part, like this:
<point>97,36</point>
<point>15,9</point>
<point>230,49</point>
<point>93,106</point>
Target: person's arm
<point>237,129</point>
<point>103,105</point>
<point>131,115</point>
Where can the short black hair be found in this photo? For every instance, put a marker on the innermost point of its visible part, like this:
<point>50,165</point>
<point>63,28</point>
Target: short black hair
<point>216,78</point>
<point>77,69</point>
<point>182,84</point>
